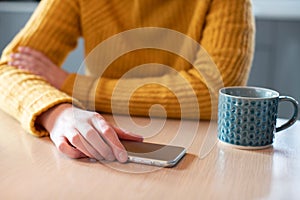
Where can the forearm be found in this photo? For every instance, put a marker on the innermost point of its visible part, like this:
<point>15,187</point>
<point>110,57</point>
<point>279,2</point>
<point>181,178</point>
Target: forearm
<point>26,96</point>
<point>180,95</point>
<point>228,38</point>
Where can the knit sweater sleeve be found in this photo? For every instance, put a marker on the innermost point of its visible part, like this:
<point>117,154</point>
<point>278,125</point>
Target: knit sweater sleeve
<point>228,37</point>
<point>23,95</point>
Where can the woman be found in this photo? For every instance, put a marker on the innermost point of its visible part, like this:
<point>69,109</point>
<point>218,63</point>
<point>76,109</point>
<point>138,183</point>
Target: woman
<point>42,97</point>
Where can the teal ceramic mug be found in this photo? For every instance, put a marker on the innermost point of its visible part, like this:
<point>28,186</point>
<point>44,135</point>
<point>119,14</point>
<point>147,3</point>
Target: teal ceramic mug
<point>247,116</point>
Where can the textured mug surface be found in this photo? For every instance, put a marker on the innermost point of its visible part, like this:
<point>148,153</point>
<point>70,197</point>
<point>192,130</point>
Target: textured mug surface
<point>247,116</point>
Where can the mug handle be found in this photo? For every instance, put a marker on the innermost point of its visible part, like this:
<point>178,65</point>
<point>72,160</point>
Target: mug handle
<point>295,115</point>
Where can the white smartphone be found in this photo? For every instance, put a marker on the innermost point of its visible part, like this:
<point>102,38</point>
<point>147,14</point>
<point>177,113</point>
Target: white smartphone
<point>153,154</point>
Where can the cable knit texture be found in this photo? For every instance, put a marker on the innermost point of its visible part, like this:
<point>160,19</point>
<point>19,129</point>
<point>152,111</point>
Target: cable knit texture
<point>225,29</point>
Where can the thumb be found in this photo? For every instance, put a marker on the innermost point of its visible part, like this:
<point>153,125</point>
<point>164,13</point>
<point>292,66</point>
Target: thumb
<point>126,135</point>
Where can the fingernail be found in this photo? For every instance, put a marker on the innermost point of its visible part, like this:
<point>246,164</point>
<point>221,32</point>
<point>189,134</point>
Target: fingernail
<point>123,157</point>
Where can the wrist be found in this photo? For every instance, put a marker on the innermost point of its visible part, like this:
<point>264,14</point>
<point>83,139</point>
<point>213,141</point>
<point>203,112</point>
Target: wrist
<point>48,118</point>
<point>62,76</point>
<point>57,77</point>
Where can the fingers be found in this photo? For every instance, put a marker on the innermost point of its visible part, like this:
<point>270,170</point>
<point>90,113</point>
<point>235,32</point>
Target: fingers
<point>35,54</point>
<point>39,64</point>
<point>102,139</point>
<point>26,62</point>
<point>96,142</point>
<point>26,58</point>
<point>77,141</point>
<point>74,146</point>
<point>122,134</point>
<point>89,135</point>
<point>63,146</point>
<point>111,138</point>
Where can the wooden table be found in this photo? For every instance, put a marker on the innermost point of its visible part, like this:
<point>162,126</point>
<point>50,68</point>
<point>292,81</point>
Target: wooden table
<point>32,168</point>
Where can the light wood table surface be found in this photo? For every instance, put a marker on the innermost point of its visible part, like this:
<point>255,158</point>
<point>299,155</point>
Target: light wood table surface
<point>32,168</point>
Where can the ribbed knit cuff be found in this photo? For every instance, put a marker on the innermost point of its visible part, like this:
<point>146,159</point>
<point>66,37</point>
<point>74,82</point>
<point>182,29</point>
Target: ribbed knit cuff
<point>41,105</point>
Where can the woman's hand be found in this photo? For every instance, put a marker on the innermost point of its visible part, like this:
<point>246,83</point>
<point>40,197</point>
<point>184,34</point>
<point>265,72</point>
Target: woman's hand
<point>79,133</point>
<point>37,63</point>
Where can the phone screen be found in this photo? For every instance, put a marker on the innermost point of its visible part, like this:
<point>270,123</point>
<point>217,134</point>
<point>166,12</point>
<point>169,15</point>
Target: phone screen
<point>153,154</point>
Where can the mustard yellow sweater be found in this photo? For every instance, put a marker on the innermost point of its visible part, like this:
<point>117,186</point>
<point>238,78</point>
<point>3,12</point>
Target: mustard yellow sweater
<point>225,29</point>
